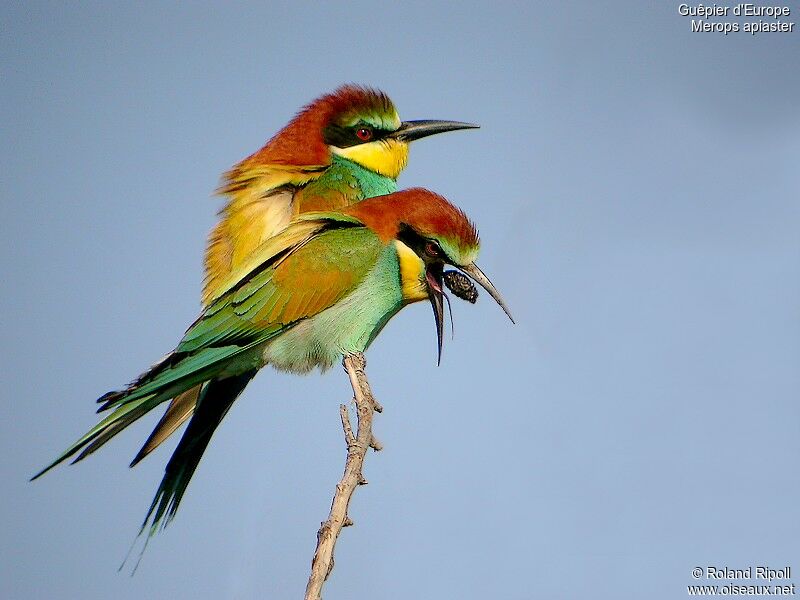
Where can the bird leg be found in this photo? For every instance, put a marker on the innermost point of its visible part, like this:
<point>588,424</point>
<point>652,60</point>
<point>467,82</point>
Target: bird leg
<point>357,446</point>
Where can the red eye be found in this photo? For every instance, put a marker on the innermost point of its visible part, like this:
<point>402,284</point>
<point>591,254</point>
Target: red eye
<point>432,249</point>
<point>364,134</point>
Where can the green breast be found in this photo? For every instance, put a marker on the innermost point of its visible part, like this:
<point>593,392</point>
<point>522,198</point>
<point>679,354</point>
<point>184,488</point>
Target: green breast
<point>351,180</point>
<point>347,327</point>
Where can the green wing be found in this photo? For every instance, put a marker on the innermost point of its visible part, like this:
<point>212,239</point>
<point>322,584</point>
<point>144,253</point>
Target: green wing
<point>273,250</point>
<point>292,284</point>
<point>317,275</point>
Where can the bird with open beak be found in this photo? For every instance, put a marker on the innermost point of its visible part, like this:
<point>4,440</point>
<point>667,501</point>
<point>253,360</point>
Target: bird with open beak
<point>323,288</point>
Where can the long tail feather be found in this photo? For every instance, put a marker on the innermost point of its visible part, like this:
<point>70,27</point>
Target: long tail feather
<point>215,399</point>
<point>113,429</point>
<point>114,423</point>
<point>180,409</point>
<point>172,376</point>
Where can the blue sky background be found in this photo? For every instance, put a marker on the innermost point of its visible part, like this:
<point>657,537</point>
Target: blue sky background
<point>636,186</point>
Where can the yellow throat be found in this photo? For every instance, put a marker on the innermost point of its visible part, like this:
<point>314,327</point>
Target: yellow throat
<point>386,157</point>
<point>412,273</point>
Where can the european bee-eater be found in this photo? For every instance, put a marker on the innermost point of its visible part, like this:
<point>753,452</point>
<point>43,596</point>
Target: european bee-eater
<point>343,147</point>
<point>322,288</point>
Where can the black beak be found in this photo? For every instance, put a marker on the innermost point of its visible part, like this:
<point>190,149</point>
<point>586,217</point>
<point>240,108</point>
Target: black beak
<point>434,279</point>
<point>473,271</point>
<point>414,130</point>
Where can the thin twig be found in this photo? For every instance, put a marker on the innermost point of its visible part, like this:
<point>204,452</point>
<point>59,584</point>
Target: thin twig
<point>349,438</point>
<point>357,446</point>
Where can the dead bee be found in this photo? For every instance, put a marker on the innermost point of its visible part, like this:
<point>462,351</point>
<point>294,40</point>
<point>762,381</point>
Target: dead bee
<point>461,286</point>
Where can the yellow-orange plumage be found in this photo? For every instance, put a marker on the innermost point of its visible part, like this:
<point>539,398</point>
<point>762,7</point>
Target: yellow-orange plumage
<point>262,189</point>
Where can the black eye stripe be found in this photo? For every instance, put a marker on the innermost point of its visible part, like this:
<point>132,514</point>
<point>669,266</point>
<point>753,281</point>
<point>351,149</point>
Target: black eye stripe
<point>418,243</point>
<point>344,137</point>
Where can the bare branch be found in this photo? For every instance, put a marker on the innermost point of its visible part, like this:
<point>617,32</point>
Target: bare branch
<point>349,438</point>
<point>357,446</point>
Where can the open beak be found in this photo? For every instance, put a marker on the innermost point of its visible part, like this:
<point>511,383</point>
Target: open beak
<point>473,271</point>
<point>414,130</point>
<point>434,279</point>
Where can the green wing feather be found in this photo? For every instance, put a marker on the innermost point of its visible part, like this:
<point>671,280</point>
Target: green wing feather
<point>272,251</point>
<point>275,249</point>
<point>321,266</point>
<point>146,393</point>
<point>268,302</point>
<point>317,275</point>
